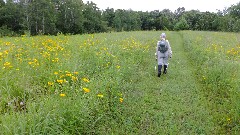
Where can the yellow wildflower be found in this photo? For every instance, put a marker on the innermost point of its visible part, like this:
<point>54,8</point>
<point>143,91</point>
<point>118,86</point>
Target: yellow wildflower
<point>60,81</point>
<point>62,95</point>
<point>75,73</point>
<point>50,83</point>
<point>100,95</point>
<point>7,65</point>
<point>68,74</point>
<point>55,73</point>
<point>85,80</point>
<point>55,60</point>
<point>7,43</point>
<point>121,100</point>
<point>6,52</point>
<point>86,90</point>
<point>74,78</point>
<point>35,60</point>
<point>117,66</point>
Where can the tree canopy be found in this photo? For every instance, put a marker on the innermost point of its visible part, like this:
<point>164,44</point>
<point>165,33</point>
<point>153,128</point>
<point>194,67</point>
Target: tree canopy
<point>50,17</point>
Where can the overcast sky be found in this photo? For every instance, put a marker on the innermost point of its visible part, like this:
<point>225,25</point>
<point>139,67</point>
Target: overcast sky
<point>150,5</point>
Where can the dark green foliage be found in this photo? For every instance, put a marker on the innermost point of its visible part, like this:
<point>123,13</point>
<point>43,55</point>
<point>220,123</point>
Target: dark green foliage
<point>92,19</point>
<point>181,25</point>
<point>11,18</point>
<point>108,16</point>
<point>69,16</point>
<point>40,16</point>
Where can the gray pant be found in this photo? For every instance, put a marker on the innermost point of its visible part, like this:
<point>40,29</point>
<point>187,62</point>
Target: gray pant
<point>162,58</point>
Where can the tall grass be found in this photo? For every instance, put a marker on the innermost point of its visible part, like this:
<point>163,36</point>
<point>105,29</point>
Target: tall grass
<point>67,84</point>
<point>106,84</point>
<point>216,57</point>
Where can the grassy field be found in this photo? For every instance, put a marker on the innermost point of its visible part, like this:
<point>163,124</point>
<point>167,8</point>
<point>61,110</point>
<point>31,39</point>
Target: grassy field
<point>106,84</point>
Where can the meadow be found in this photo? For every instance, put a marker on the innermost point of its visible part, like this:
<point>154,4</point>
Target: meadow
<point>106,84</point>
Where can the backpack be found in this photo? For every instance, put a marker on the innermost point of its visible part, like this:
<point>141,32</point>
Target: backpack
<point>162,46</point>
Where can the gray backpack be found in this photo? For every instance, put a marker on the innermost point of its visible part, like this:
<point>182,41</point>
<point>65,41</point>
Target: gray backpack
<point>162,46</point>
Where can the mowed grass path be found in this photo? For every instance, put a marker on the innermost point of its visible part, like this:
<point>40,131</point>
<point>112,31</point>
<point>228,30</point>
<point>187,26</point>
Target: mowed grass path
<point>172,104</point>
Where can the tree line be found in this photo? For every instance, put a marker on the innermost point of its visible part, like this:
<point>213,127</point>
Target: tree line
<point>50,17</point>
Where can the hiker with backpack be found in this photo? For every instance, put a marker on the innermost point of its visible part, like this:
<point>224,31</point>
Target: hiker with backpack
<point>163,52</point>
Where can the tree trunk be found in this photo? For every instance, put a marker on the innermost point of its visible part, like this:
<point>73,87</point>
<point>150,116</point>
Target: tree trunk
<point>43,26</point>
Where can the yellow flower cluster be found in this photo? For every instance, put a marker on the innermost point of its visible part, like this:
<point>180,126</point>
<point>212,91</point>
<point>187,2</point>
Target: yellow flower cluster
<point>214,48</point>
<point>43,56</point>
<point>3,54</point>
<point>63,77</point>
<point>32,51</point>
<point>133,44</point>
<point>234,52</point>
<point>7,65</point>
<point>34,63</point>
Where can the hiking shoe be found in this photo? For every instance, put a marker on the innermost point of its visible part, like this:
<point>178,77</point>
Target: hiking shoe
<point>165,69</point>
<point>159,70</point>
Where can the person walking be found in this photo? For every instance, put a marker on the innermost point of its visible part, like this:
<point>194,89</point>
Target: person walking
<point>163,52</point>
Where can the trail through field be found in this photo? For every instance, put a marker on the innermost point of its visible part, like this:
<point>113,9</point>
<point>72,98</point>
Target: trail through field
<point>173,103</point>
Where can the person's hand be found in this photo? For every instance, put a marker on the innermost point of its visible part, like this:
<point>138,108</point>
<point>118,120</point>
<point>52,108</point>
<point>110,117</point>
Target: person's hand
<point>170,55</point>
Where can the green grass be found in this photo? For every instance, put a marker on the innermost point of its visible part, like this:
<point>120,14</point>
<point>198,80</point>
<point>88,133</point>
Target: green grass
<point>52,76</point>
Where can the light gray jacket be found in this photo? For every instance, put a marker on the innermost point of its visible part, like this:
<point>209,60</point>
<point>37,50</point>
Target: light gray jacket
<point>167,54</point>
